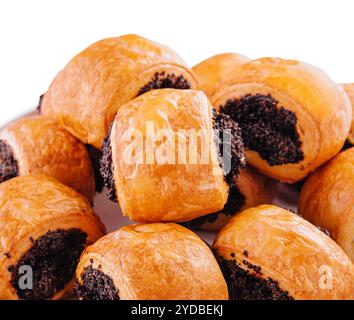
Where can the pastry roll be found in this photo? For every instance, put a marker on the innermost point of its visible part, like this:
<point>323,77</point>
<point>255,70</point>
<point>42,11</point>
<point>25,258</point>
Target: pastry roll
<point>162,159</point>
<point>87,93</point>
<point>150,262</point>
<point>44,228</point>
<point>327,201</point>
<point>349,89</point>
<point>268,252</point>
<point>37,145</point>
<point>251,189</point>
<point>292,115</point>
<point>212,70</point>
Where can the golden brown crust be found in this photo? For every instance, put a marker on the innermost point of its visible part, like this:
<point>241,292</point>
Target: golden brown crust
<point>289,250</point>
<point>30,206</point>
<point>256,189</point>
<point>86,95</point>
<point>167,189</point>
<point>41,147</point>
<point>322,108</point>
<point>349,89</point>
<point>214,69</point>
<point>326,199</point>
<point>156,261</point>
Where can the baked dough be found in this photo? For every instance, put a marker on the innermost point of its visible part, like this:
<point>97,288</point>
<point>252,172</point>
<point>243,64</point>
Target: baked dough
<point>214,69</point>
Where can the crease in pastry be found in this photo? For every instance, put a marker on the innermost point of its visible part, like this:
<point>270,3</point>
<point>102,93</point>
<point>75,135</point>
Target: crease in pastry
<point>53,259</point>
<point>8,163</point>
<point>163,80</point>
<point>235,202</point>
<point>250,284</point>
<point>267,128</point>
<point>96,285</point>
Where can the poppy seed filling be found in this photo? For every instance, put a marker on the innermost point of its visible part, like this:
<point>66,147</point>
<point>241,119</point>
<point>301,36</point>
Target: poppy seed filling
<point>231,149</point>
<point>53,259</point>
<point>266,128</point>
<point>249,284</point>
<point>163,80</point>
<point>106,169</point>
<point>96,285</point>
<point>8,163</point>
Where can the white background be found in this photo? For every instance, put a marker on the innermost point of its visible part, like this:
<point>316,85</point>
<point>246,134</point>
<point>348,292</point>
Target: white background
<point>39,37</point>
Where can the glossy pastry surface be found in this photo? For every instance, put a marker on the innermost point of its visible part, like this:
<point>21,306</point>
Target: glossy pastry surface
<point>87,93</point>
<point>268,252</point>
<point>180,177</point>
<point>44,228</point>
<point>214,69</point>
<point>327,200</point>
<point>38,145</point>
<point>293,116</point>
<point>150,262</point>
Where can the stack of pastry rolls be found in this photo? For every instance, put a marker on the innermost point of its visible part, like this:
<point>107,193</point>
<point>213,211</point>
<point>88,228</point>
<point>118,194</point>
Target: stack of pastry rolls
<point>179,150</point>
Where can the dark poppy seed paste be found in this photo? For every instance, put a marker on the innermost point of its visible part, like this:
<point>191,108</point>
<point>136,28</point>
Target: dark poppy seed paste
<point>163,80</point>
<point>106,169</point>
<point>266,128</point>
<point>96,286</point>
<point>8,163</point>
<point>53,259</point>
<point>249,284</point>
